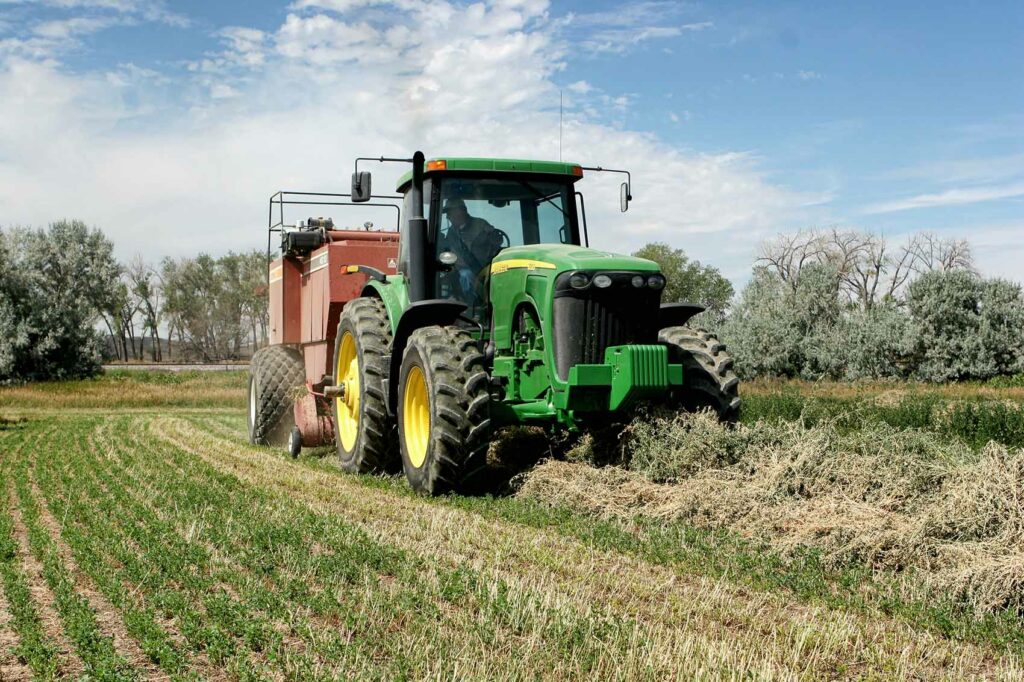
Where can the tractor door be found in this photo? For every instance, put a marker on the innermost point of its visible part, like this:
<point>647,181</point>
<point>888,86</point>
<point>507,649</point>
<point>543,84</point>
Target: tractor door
<point>478,216</point>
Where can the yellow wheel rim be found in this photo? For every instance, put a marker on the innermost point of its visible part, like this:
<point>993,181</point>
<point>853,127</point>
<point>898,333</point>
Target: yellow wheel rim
<point>346,408</point>
<point>416,416</point>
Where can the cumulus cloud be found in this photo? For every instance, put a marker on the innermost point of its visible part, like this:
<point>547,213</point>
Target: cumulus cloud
<point>292,106</point>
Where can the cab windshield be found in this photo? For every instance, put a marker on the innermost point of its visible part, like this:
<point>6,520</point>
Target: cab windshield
<point>526,212</point>
<point>478,217</point>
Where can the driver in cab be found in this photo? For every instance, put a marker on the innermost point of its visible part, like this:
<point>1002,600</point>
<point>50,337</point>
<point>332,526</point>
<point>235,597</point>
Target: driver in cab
<point>474,241</point>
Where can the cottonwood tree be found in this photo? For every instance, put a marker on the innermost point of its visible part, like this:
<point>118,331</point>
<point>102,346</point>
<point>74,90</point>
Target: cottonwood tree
<point>868,269</point>
<point>215,306</point>
<point>144,286</point>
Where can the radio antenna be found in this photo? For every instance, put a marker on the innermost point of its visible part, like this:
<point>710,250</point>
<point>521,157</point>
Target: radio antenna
<point>559,124</point>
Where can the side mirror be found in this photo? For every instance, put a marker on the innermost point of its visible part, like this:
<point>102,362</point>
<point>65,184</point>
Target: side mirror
<point>624,197</point>
<point>361,187</point>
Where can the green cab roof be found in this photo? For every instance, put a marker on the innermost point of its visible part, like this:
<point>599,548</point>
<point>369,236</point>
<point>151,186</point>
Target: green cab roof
<point>465,163</point>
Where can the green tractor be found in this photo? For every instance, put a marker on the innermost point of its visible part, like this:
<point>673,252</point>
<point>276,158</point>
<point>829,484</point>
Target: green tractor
<point>497,313</point>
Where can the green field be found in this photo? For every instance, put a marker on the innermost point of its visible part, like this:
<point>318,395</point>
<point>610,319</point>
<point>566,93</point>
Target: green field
<point>142,538</point>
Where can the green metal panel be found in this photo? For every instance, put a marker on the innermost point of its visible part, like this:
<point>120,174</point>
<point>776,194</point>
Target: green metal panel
<point>637,371</point>
<point>395,294</point>
<point>463,163</point>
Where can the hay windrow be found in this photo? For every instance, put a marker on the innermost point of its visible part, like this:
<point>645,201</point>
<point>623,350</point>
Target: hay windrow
<point>885,497</point>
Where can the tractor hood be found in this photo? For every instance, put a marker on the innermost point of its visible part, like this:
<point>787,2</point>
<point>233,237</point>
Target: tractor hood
<point>563,257</point>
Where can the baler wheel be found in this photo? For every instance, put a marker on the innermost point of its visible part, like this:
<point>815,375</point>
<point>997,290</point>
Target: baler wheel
<point>364,432</point>
<point>708,378</point>
<point>274,373</point>
<point>443,411</point>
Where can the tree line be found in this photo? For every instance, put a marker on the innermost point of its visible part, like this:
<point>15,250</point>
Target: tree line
<point>836,303</point>
<point>208,308</point>
<point>67,304</point>
<point>846,304</point>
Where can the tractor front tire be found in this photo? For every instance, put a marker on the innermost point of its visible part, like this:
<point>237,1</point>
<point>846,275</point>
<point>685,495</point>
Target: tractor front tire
<point>274,374</point>
<point>709,381</point>
<point>364,432</point>
<point>444,420</point>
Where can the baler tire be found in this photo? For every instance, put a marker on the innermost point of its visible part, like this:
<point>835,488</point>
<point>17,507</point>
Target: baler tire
<point>452,414</point>
<point>708,378</point>
<point>274,374</point>
<point>373,448</point>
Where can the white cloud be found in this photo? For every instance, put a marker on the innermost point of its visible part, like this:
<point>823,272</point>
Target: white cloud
<point>629,25</point>
<point>581,87</point>
<point>619,40</point>
<point>54,38</point>
<point>60,29</point>
<point>950,197</point>
<point>291,108</point>
<point>323,40</point>
<point>808,75</point>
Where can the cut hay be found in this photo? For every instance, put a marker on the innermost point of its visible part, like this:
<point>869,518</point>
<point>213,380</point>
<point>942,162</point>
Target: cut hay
<point>885,497</point>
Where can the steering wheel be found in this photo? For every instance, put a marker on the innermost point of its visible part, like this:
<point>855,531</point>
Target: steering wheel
<point>505,241</point>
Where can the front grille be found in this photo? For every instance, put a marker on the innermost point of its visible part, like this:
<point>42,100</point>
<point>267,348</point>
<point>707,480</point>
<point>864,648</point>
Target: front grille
<point>587,322</point>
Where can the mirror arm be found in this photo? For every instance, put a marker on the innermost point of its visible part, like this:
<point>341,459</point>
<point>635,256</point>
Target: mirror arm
<point>629,178</point>
<point>379,159</point>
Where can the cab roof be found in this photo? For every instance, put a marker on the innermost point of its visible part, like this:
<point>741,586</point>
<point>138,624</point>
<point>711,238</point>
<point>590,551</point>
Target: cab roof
<point>467,163</point>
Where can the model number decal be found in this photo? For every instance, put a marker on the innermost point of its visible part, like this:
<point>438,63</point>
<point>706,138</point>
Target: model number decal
<point>520,264</point>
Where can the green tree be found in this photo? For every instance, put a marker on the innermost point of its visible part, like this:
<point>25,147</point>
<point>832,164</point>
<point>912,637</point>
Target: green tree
<point>216,305</point>
<point>688,281</point>
<point>55,284</point>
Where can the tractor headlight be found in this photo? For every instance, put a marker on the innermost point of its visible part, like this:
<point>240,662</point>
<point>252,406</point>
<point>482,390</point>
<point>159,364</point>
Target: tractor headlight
<point>656,282</point>
<point>638,281</point>
<point>447,258</point>
<point>602,281</point>
<point>579,280</point>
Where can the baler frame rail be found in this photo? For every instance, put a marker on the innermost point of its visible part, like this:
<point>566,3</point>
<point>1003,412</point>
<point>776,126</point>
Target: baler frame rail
<point>282,198</point>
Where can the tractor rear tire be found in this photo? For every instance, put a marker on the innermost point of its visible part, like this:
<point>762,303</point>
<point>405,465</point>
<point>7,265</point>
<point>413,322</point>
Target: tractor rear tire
<point>363,431</point>
<point>443,411</point>
<point>274,374</point>
<point>708,378</point>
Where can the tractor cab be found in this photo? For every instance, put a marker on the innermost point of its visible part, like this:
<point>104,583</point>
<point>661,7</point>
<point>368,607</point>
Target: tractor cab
<point>477,208</point>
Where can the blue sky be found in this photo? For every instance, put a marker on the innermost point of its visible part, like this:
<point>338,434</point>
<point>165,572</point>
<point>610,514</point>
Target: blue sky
<point>168,124</point>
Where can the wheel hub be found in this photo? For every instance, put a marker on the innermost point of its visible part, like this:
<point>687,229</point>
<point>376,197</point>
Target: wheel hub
<point>347,403</point>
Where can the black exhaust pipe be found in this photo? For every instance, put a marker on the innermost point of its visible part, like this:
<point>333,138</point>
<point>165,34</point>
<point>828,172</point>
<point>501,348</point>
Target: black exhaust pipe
<point>416,234</point>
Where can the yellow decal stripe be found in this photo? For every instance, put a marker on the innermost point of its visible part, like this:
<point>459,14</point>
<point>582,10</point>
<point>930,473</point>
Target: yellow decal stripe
<point>520,264</point>
<point>276,274</point>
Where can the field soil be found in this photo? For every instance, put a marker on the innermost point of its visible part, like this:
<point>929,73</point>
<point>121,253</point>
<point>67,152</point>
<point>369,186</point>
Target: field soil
<point>141,537</point>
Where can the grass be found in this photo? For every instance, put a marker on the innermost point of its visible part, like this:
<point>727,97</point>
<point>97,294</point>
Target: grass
<point>133,389</point>
<point>164,545</point>
<point>976,414</point>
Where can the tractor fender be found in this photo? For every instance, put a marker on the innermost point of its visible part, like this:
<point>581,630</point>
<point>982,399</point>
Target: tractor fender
<point>393,293</point>
<point>434,311</point>
<point>677,314</point>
